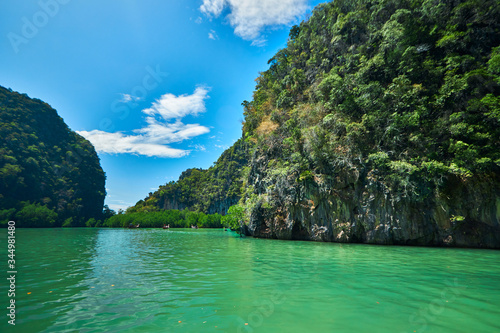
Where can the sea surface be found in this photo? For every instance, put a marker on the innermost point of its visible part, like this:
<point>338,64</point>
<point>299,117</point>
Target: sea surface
<point>184,280</point>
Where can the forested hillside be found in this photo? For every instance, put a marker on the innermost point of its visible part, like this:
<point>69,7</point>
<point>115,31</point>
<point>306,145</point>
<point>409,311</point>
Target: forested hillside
<point>379,122</point>
<point>49,175</point>
<point>408,87</point>
<point>210,191</point>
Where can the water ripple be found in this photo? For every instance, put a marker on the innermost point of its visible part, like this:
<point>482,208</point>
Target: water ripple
<point>154,280</point>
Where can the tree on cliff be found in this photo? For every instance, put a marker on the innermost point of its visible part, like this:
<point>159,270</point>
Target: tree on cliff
<point>234,217</point>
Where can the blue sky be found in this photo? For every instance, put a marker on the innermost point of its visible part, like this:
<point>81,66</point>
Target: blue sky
<point>155,85</point>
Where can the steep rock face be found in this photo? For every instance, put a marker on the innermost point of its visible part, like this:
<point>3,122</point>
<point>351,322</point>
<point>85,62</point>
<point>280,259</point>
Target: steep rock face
<point>172,203</point>
<point>219,206</point>
<point>48,173</point>
<point>361,209</point>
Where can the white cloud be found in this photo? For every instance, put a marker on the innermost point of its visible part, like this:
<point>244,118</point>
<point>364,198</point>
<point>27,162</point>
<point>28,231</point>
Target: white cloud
<point>213,7</point>
<point>157,132</point>
<point>129,98</point>
<point>199,20</point>
<point>153,139</point>
<point>119,205</point>
<point>250,17</point>
<point>170,106</point>
<point>119,143</point>
<point>213,35</point>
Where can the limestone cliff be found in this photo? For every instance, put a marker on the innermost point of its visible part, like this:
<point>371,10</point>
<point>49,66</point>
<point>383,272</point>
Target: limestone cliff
<point>379,123</point>
<point>352,207</point>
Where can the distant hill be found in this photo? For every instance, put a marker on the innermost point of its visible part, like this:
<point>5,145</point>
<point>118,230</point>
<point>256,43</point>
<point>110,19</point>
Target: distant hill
<point>379,122</point>
<point>49,175</point>
<point>210,191</point>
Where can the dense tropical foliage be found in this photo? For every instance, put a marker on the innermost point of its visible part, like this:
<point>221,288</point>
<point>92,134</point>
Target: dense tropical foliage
<point>210,191</point>
<point>404,93</point>
<point>49,175</point>
<point>173,218</point>
<point>407,88</point>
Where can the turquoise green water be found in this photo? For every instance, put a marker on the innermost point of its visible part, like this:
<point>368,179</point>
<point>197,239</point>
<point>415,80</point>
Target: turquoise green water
<point>114,280</point>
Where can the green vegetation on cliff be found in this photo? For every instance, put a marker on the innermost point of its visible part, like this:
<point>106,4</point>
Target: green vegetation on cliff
<point>210,191</point>
<point>49,175</point>
<point>407,89</point>
<point>378,122</point>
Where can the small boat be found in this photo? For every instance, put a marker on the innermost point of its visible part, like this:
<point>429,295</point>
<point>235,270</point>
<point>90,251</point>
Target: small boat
<point>166,226</point>
<point>194,227</point>
<point>131,226</point>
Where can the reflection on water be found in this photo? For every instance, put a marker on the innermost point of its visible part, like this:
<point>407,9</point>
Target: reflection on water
<point>184,280</point>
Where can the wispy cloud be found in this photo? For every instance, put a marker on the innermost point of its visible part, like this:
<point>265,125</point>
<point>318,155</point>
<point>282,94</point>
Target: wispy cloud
<point>259,42</point>
<point>250,17</point>
<point>199,147</point>
<point>213,35</point>
<point>153,139</point>
<point>126,98</point>
<point>116,205</point>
